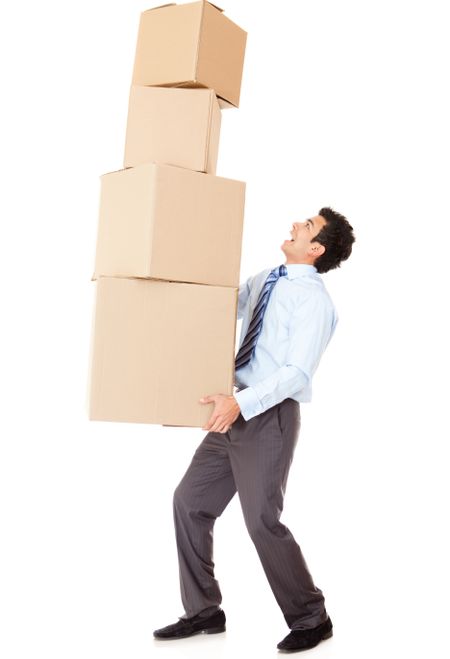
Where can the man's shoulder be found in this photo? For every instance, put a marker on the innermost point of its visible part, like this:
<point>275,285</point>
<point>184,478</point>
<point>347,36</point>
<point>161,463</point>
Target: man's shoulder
<point>259,277</point>
<point>311,294</point>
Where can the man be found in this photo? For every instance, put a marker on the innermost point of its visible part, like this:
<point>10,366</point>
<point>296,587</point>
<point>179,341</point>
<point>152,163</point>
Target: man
<point>288,320</point>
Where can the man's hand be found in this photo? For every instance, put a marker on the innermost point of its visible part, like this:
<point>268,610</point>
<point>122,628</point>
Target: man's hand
<point>226,410</point>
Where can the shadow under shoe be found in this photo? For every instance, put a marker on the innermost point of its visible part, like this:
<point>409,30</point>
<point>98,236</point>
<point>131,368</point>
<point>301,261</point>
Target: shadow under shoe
<point>185,627</point>
<point>304,639</point>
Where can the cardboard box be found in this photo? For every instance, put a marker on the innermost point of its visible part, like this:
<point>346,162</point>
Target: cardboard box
<point>170,223</point>
<point>174,126</point>
<point>190,45</point>
<point>157,347</point>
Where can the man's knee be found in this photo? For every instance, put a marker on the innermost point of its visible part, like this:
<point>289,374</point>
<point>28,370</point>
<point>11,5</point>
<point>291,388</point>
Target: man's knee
<point>179,498</point>
<point>262,525</point>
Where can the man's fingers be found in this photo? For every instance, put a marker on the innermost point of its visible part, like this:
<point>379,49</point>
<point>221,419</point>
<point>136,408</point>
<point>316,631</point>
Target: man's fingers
<point>210,422</point>
<point>216,427</point>
<point>208,399</point>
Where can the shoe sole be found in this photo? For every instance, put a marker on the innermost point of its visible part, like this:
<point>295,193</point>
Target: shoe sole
<point>324,637</point>
<point>213,630</point>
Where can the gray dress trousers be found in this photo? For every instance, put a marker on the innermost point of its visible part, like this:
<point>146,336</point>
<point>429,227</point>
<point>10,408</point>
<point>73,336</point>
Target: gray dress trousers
<point>252,458</point>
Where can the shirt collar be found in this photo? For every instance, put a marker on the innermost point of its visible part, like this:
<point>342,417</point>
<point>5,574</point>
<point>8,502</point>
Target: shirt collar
<point>295,270</point>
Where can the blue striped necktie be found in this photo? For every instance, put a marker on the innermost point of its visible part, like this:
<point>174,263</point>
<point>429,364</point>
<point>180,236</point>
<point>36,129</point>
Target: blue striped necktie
<point>249,343</point>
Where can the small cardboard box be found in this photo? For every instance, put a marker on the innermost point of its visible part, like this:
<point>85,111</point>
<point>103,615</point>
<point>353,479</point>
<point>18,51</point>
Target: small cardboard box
<point>173,126</point>
<point>190,45</point>
<point>157,347</point>
<point>164,222</point>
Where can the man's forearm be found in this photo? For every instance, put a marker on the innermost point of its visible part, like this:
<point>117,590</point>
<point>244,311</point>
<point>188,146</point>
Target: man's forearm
<point>273,389</point>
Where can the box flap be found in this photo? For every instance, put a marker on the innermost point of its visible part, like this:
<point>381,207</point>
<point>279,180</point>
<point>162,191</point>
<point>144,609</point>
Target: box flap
<point>169,4</point>
<point>172,4</point>
<point>212,3</point>
<point>223,104</point>
<point>108,173</point>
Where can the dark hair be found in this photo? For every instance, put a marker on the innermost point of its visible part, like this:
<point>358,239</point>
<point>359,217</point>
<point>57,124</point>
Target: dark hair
<point>337,238</point>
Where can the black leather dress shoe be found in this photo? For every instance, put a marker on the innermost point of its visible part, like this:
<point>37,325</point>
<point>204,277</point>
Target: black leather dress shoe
<point>213,624</point>
<point>304,639</point>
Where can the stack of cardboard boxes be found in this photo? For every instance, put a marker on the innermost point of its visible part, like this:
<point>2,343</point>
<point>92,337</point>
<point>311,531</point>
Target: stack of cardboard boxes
<point>170,231</point>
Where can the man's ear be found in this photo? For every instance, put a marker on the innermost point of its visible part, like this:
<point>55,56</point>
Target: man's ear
<point>316,250</point>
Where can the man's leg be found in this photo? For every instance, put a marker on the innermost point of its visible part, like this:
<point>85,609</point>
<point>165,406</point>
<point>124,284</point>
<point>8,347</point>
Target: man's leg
<point>261,452</point>
<point>201,496</point>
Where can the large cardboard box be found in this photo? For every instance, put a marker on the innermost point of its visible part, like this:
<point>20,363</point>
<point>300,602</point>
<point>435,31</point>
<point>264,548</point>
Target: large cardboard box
<point>157,347</point>
<point>190,45</point>
<point>170,223</point>
<point>173,126</point>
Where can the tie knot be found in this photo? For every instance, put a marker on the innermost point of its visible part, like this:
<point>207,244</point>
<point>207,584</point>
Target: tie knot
<point>282,270</point>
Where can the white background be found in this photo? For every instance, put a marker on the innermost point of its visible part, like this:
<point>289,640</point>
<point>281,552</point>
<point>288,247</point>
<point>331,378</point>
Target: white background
<point>344,103</point>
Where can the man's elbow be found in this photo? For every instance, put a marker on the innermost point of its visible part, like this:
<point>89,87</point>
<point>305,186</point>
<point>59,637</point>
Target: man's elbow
<point>300,374</point>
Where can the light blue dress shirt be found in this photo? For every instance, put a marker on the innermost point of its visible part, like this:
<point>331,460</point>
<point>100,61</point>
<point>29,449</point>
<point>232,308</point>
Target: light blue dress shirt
<point>298,323</point>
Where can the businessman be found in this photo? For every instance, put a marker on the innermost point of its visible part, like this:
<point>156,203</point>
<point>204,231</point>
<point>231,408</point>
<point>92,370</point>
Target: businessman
<point>288,319</point>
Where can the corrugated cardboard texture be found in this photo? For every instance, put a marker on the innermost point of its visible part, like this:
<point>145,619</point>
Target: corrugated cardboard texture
<point>178,127</point>
<point>191,44</point>
<point>171,223</point>
<point>157,347</point>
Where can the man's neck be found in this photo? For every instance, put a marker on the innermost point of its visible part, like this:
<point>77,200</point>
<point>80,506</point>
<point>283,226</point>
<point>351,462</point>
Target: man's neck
<point>287,262</point>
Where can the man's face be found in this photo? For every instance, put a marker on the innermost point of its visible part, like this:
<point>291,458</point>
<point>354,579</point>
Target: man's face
<point>302,248</point>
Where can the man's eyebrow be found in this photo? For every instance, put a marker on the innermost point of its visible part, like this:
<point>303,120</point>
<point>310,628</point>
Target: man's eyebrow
<point>310,220</point>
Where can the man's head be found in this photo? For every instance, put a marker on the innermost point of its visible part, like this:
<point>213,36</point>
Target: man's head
<point>323,241</point>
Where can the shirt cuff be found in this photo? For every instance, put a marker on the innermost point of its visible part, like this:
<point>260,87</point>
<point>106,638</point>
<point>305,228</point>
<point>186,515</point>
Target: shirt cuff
<point>249,402</point>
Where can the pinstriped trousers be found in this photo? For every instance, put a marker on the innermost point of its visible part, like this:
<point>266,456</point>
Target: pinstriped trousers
<point>252,458</point>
